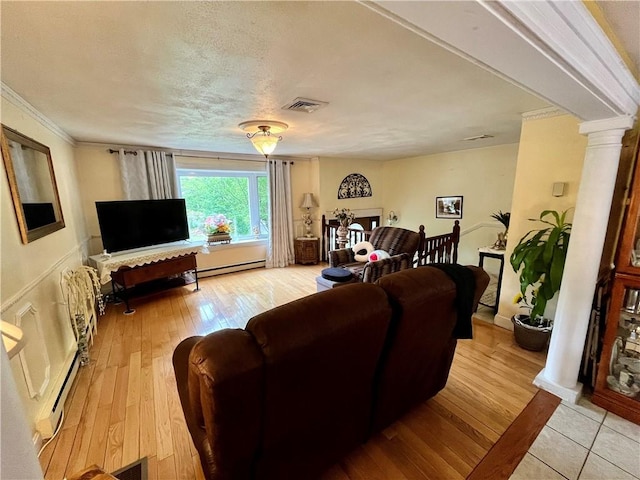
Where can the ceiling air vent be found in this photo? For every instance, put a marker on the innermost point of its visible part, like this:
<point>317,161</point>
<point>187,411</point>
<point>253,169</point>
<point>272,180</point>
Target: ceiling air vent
<point>477,137</point>
<point>305,105</point>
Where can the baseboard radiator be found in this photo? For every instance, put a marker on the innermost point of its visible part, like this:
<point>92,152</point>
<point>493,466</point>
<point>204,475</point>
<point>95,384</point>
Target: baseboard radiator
<point>52,409</point>
<point>236,267</point>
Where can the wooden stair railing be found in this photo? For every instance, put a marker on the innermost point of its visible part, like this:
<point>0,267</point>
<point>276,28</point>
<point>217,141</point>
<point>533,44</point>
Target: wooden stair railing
<point>437,249</point>
<point>440,248</point>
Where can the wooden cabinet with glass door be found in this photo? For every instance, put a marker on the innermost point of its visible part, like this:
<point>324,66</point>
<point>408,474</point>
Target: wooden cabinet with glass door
<point>628,254</point>
<point>618,382</point>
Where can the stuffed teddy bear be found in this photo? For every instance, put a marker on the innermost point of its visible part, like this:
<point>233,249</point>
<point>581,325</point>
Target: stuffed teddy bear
<point>378,255</point>
<point>361,251</point>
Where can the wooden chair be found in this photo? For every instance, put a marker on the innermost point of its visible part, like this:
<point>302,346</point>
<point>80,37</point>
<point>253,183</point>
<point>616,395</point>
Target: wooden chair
<point>437,249</point>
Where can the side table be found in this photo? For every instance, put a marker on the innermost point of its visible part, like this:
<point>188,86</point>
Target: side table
<point>306,250</point>
<point>489,252</point>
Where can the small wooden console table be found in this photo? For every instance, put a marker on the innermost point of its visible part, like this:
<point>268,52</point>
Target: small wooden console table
<point>128,269</point>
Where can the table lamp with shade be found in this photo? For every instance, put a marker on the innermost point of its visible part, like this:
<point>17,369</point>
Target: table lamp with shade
<point>308,202</point>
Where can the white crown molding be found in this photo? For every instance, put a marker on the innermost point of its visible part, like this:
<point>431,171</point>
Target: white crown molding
<point>568,35</point>
<point>190,153</point>
<point>12,97</point>
<point>543,113</point>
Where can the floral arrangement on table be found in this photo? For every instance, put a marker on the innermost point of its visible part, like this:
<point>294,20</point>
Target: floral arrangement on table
<point>344,216</point>
<point>217,224</point>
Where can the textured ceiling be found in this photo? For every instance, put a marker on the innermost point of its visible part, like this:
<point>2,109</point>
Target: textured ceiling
<point>182,75</point>
<point>624,18</point>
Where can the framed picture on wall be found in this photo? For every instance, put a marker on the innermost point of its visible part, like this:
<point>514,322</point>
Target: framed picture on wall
<point>449,207</point>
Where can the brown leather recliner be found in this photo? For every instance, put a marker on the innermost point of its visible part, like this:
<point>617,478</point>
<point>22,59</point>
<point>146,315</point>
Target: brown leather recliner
<point>420,344</point>
<point>305,383</point>
<point>289,393</point>
<point>401,244</point>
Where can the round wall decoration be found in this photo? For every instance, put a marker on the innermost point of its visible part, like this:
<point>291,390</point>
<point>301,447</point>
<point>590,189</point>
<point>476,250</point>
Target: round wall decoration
<point>354,185</point>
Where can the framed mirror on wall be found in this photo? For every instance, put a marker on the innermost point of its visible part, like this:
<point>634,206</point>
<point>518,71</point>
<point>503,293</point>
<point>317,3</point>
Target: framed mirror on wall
<point>32,184</point>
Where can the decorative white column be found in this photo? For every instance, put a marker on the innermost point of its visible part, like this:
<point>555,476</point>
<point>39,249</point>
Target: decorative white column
<point>560,375</point>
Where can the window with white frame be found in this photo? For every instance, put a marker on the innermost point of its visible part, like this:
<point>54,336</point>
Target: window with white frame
<point>241,196</point>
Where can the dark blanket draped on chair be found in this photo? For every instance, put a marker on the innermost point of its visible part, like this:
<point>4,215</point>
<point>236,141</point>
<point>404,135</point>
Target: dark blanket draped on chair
<point>465,282</point>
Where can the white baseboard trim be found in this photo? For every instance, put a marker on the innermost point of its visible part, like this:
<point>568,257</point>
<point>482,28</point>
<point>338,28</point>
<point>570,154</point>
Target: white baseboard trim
<point>571,395</point>
<point>502,321</point>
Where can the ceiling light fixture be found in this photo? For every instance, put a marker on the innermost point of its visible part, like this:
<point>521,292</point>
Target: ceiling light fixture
<point>262,134</point>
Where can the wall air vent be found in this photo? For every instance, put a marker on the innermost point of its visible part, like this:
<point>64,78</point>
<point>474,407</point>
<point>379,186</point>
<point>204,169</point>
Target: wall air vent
<point>305,105</point>
<point>477,137</point>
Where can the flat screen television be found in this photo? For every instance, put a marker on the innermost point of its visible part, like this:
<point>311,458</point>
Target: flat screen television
<point>127,224</point>
<point>38,214</point>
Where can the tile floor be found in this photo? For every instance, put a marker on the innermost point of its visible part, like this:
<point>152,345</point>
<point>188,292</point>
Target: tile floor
<point>580,442</point>
<point>583,442</point>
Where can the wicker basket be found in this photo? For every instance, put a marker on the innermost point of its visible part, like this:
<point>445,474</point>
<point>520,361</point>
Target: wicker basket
<point>530,338</point>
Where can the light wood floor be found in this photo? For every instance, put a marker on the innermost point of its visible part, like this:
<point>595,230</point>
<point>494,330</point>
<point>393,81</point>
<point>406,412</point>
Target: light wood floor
<point>124,405</point>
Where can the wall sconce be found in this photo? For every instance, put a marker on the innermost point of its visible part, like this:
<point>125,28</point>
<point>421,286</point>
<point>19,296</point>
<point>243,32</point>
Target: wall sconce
<point>261,133</point>
<point>392,218</point>
<point>12,337</point>
<point>558,189</point>
<point>308,202</point>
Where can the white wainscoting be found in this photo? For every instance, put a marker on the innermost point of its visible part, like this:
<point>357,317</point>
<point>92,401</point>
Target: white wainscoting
<point>34,358</point>
<point>40,369</point>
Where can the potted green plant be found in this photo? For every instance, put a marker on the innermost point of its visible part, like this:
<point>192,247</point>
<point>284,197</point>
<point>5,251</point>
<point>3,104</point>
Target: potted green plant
<point>504,219</point>
<point>539,259</point>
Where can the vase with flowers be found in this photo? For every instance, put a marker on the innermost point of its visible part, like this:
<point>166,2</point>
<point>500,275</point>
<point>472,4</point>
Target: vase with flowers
<point>217,227</point>
<point>344,217</point>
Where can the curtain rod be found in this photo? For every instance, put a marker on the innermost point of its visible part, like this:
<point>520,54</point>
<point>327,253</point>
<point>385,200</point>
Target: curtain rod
<point>131,152</point>
<point>225,158</point>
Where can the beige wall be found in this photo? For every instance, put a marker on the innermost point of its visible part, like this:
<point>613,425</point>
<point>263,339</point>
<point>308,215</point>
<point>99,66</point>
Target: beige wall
<point>99,178</point>
<point>31,273</point>
<point>304,178</point>
<point>551,150</point>
<point>483,176</point>
<point>331,173</point>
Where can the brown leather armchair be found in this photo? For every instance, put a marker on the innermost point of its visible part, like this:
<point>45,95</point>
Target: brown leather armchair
<point>401,244</point>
